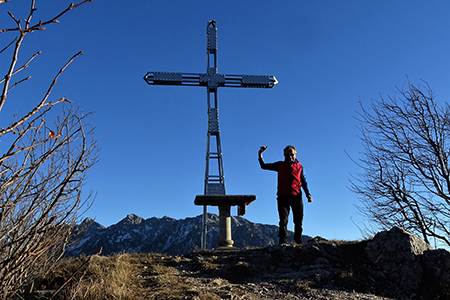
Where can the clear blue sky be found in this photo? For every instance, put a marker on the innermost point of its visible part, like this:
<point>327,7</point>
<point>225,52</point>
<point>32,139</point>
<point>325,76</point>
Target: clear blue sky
<point>328,56</point>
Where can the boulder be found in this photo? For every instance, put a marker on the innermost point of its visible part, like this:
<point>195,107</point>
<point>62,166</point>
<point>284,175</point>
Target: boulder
<point>397,252</point>
<point>436,270</point>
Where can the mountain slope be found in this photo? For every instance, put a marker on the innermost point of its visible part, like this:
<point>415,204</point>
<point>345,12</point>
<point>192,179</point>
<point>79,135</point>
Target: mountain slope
<point>167,235</point>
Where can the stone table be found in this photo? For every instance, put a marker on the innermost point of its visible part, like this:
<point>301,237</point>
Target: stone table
<point>224,202</point>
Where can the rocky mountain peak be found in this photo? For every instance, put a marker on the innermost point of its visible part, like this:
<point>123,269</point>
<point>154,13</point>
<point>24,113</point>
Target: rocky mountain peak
<point>91,224</point>
<point>131,219</point>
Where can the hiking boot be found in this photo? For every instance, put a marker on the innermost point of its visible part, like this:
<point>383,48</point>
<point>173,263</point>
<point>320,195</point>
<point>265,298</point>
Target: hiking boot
<point>283,241</point>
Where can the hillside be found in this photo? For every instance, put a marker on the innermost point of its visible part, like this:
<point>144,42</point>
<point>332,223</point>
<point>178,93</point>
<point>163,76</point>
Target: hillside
<point>393,265</point>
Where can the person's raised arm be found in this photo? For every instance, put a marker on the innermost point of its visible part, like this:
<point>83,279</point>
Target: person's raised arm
<point>260,152</point>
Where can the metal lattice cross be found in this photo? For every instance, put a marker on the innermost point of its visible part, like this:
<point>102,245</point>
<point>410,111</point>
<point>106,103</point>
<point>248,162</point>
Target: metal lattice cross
<point>212,80</point>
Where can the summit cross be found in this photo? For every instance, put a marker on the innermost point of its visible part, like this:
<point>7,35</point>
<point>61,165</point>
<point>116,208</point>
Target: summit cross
<point>212,80</point>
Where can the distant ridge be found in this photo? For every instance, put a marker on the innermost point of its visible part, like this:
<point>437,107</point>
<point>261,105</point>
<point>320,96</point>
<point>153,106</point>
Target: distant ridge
<point>166,235</point>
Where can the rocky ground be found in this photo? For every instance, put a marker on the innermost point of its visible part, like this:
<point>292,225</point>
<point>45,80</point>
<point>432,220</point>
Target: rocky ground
<point>317,270</point>
<point>394,265</point>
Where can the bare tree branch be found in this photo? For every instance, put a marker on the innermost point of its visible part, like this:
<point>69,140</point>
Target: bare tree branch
<point>9,45</point>
<point>43,101</point>
<point>405,178</point>
<point>42,172</point>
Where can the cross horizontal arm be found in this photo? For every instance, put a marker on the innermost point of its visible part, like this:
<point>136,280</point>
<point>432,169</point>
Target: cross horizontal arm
<point>210,80</point>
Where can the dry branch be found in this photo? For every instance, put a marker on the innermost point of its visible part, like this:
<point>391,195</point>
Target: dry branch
<point>42,172</point>
<point>405,178</point>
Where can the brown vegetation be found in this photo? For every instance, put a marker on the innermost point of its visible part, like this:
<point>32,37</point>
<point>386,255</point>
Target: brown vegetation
<point>49,150</point>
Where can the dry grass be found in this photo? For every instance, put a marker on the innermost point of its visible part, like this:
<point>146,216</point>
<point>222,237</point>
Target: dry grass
<point>124,276</point>
<point>303,285</point>
<point>114,277</point>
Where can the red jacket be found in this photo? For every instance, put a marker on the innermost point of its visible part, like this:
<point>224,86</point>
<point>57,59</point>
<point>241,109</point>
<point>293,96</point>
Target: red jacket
<point>291,177</point>
<point>289,181</point>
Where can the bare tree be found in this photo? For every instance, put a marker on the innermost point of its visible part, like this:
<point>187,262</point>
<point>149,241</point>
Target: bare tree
<point>405,178</point>
<point>42,172</point>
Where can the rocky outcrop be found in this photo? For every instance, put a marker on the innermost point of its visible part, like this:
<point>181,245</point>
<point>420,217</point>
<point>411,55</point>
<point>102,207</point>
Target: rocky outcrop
<point>395,264</point>
<point>436,271</point>
<point>397,253</point>
<point>410,262</point>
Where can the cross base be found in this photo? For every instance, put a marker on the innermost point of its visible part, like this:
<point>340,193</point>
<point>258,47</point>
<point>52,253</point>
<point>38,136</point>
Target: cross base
<point>224,202</point>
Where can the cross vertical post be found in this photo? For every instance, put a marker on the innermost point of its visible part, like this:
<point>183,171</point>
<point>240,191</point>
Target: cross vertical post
<point>214,175</point>
<point>214,182</point>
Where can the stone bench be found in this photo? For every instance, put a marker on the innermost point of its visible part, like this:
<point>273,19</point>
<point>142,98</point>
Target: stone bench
<point>224,202</point>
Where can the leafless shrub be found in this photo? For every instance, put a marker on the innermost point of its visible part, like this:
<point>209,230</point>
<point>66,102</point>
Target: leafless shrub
<point>405,178</point>
<point>41,173</point>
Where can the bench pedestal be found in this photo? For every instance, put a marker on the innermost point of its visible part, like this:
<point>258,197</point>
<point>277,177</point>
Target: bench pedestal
<point>224,202</point>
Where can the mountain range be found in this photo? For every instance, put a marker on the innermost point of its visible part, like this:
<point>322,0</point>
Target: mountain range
<point>165,235</point>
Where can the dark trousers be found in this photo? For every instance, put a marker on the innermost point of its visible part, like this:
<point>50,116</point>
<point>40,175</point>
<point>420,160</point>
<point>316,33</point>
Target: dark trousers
<point>284,205</point>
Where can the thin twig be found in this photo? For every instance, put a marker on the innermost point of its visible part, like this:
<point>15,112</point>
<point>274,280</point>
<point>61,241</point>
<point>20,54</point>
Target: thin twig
<point>12,42</point>
<point>23,67</point>
<point>18,82</point>
<point>43,101</point>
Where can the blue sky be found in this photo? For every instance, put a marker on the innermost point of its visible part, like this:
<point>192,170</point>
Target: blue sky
<point>328,56</point>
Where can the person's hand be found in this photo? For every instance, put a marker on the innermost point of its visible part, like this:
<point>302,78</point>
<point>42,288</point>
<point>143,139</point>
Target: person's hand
<point>310,198</point>
<point>261,150</point>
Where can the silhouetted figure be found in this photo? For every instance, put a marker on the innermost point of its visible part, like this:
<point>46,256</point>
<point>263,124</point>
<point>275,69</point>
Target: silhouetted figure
<point>291,178</point>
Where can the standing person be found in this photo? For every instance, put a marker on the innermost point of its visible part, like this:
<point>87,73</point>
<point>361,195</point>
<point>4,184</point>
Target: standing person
<point>291,178</point>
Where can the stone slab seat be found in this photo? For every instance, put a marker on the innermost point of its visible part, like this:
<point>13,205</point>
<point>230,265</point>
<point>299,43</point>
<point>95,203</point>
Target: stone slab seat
<point>217,200</point>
